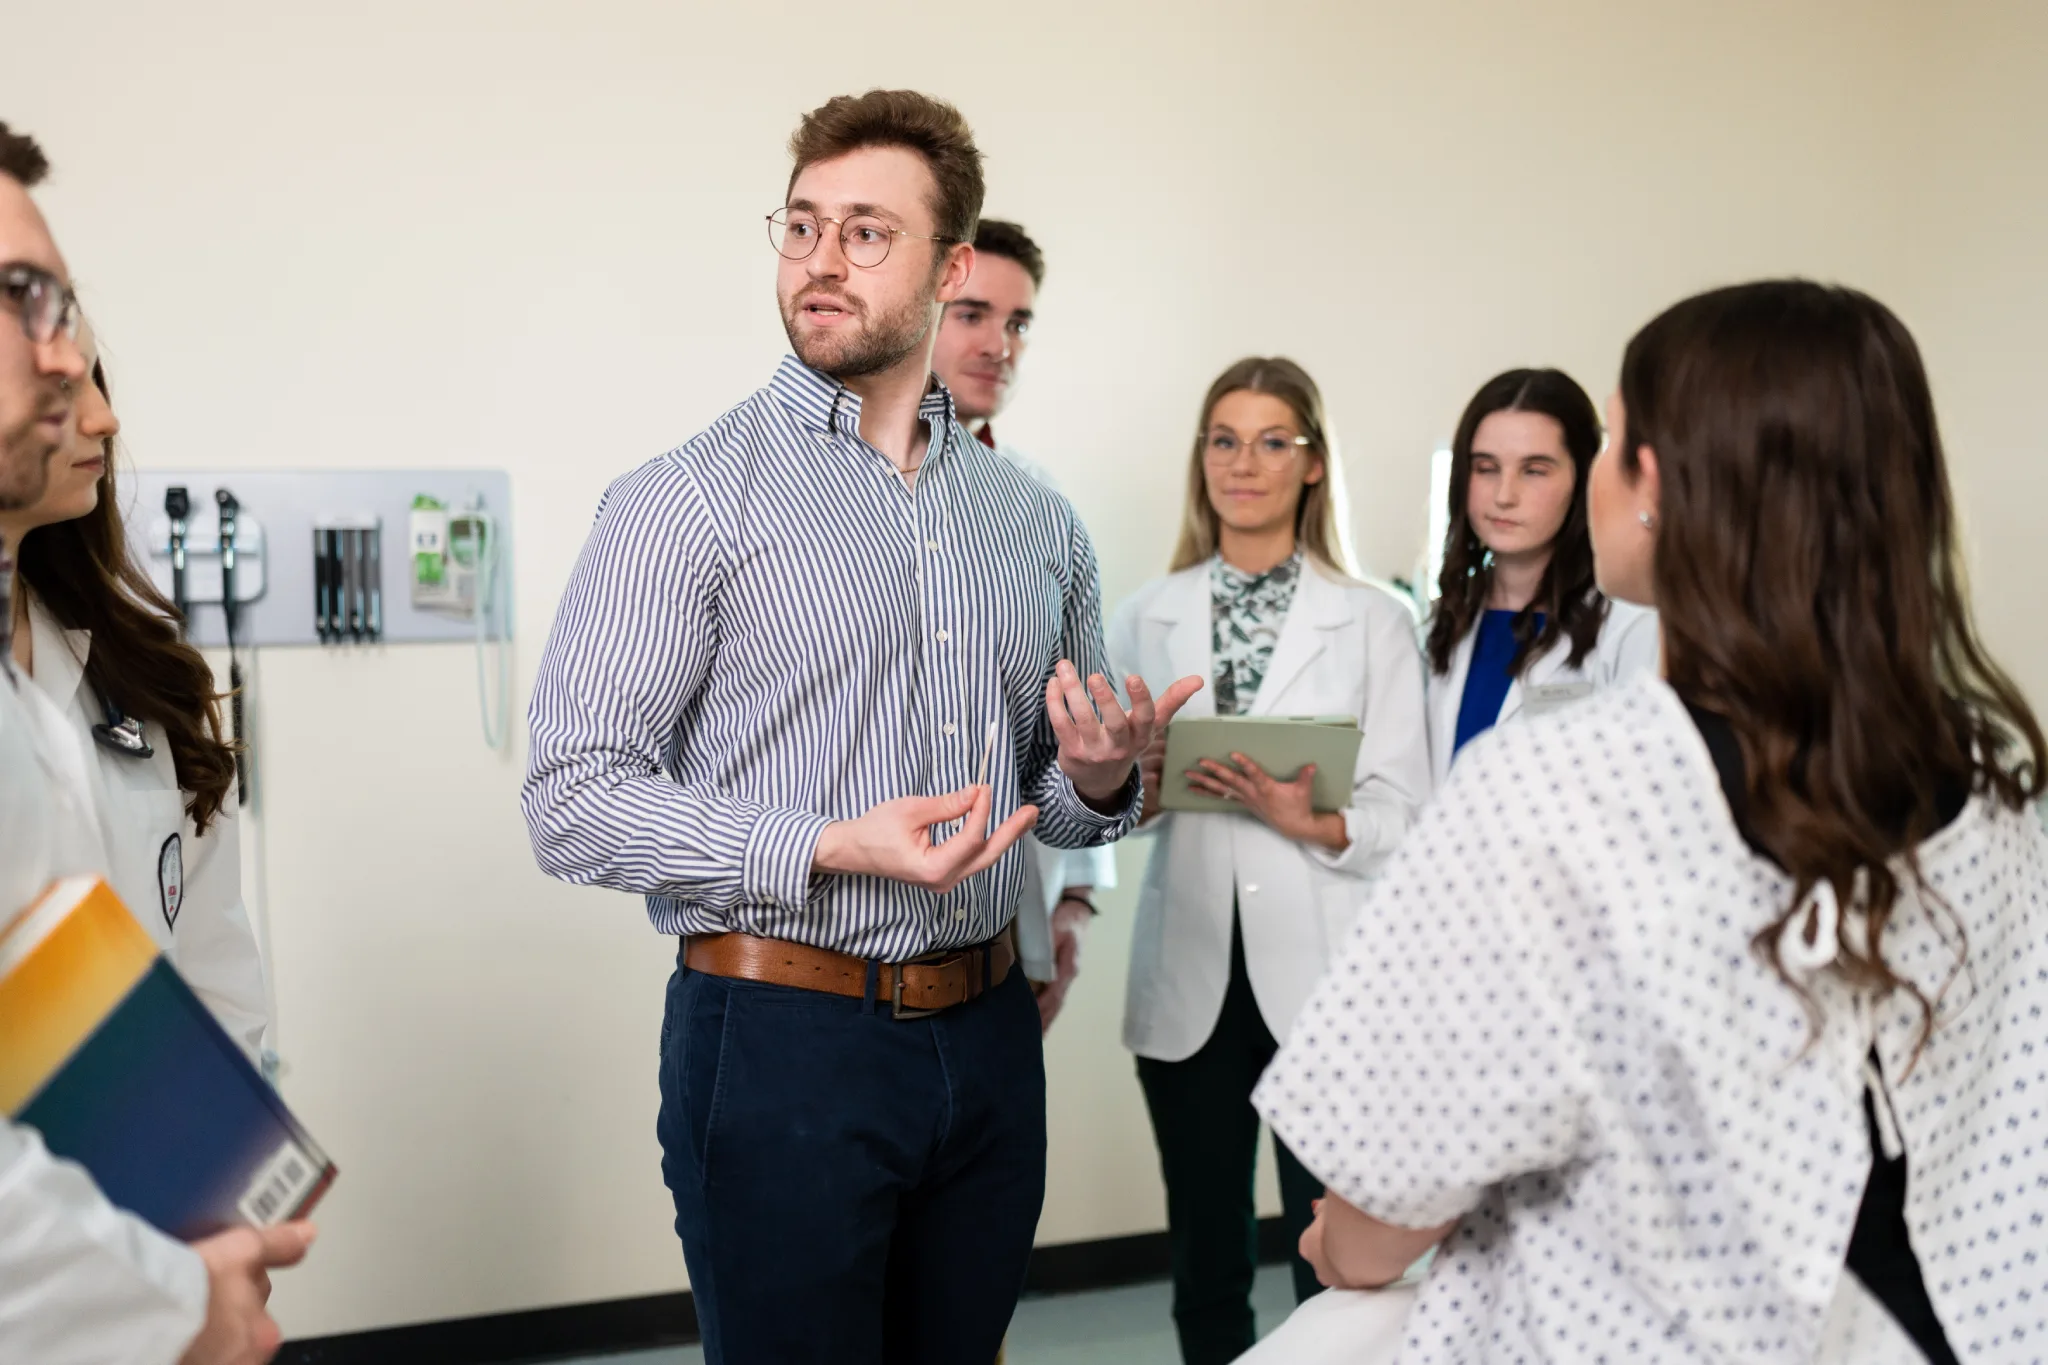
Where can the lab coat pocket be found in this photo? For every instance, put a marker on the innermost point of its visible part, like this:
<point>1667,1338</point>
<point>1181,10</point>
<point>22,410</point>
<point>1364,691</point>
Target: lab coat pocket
<point>152,855</point>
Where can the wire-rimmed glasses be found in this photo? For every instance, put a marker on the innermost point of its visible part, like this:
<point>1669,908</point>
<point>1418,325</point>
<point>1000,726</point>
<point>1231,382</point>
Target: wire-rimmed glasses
<point>45,304</point>
<point>864,238</point>
<point>1273,447</point>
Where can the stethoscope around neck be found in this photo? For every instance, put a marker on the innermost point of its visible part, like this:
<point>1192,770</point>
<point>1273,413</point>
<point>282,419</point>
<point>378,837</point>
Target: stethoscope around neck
<point>120,733</point>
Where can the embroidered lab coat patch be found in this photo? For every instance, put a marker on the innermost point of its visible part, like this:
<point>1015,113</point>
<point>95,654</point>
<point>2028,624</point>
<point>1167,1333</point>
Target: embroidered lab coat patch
<point>170,878</point>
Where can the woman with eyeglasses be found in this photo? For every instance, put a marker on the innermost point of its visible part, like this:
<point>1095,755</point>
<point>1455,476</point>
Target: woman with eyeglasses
<point>1705,1022</point>
<point>1520,628</point>
<point>97,638</point>
<point>1240,912</point>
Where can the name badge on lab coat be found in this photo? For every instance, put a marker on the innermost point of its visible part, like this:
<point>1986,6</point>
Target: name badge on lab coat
<point>1544,698</point>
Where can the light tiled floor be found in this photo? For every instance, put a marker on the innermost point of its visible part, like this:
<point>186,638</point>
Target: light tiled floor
<point>1125,1326</point>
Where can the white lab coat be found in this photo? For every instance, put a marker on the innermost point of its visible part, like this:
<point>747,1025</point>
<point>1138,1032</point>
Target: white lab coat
<point>81,1283</point>
<point>185,887</point>
<point>1629,644</point>
<point>1346,648</point>
<point>1047,870</point>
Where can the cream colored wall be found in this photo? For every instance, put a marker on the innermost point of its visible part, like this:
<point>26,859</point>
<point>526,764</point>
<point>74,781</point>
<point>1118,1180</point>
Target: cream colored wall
<point>528,235</point>
<point>1975,291</point>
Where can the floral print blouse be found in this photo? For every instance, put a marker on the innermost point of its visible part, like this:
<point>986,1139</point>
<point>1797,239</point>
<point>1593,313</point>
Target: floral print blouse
<point>1246,612</point>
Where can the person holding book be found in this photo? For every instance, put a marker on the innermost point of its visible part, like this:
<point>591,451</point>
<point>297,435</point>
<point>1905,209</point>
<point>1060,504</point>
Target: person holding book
<point>81,1282</point>
<point>1519,627</point>
<point>1703,1021</point>
<point>101,643</point>
<point>1240,912</point>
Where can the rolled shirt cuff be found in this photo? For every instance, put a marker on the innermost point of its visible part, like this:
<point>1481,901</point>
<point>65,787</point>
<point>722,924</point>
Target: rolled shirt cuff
<point>1067,821</point>
<point>779,854</point>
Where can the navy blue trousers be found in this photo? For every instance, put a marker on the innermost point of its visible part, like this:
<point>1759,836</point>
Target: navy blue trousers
<point>851,1187</point>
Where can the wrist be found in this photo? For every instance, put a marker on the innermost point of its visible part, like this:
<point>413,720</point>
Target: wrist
<point>1104,791</point>
<point>1324,829</point>
<point>833,849</point>
<point>1076,898</point>
<point>1331,832</point>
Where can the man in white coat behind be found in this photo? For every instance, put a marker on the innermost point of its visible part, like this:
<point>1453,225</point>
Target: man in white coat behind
<point>981,342</point>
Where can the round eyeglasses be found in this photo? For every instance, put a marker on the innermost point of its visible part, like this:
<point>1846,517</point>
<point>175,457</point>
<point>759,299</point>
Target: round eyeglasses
<point>864,239</point>
<point>1273,447</point>
<point>44,303</point>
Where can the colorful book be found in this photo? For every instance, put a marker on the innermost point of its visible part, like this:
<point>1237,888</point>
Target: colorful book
<point>106,1052</point>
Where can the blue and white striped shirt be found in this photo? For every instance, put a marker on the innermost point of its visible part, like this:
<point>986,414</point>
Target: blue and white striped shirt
<point>767,631</point>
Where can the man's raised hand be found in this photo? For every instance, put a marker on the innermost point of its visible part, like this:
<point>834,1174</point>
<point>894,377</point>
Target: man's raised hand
<point>1100,742</point>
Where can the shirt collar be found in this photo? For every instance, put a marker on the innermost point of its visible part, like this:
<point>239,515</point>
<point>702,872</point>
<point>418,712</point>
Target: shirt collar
<point>1237,583</point>
<point>824,404</point>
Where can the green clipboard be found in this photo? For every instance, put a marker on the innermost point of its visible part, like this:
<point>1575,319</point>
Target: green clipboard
<point>1282,745</point>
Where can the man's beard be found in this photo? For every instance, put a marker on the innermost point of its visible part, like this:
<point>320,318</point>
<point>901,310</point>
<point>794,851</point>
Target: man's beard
<point>872,347</point>
<point>25,457</point>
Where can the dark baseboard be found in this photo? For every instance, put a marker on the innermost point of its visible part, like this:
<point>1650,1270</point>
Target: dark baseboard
<point>581,1329</point>
<point>503,1338</point>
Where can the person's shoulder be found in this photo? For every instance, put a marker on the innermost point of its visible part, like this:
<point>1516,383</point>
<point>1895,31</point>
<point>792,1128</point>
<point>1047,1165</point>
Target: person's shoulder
<point>1622,614</point>
<point>1168,584</point>
<point>1627,618</point>
<point>648,490</point>
<point>1011,472</point>
<point>1031,468</point>
<point>714,460</point>
<point>734,438</point>
<point>1376,603</point>
<point>1150,596</point>
<point>1621,740</point>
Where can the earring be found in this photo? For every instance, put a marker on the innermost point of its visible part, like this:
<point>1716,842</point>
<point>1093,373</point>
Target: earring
<point>1649,521</point>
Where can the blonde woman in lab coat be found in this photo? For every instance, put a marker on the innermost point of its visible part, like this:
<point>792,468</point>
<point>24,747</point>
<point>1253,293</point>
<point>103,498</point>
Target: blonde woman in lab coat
<point>1239,913</point>
<point>1519,627</point>
<point>97,639</point>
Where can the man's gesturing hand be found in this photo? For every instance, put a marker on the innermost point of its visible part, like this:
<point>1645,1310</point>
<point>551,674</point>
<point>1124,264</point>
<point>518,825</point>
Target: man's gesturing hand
<point>1096,751</point>
<point>894,840</point>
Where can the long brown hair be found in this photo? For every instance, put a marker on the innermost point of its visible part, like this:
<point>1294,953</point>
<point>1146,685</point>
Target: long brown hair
<point>1319,518</point>
<point>1567,604</point>
<point>1807,577</point>
<point>82,572</point>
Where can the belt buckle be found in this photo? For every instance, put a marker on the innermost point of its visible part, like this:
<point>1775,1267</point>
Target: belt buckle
<point>896,1006</point>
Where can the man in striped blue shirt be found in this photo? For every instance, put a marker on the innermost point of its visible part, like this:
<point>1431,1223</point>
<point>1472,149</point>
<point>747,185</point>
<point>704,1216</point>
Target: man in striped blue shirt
<point>814,674</point>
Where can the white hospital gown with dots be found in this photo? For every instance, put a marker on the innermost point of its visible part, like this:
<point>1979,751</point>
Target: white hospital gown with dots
<point>1549,1024</point>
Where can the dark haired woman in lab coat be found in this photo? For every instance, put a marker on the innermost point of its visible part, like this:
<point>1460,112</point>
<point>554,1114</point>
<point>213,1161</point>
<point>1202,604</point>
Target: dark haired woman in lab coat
<point>98,640</point>
<point>1519,627</point>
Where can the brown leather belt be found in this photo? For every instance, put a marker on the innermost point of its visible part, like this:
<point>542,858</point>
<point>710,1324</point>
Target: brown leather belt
<point>913,989</point>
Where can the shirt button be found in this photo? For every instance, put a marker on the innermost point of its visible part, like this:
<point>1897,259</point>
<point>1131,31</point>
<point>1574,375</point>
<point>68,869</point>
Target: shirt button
<point>959,915</point>
<point>945,635</point>
<point>932,545</point>
<point>948,727</point>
